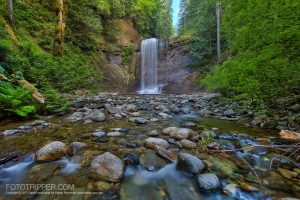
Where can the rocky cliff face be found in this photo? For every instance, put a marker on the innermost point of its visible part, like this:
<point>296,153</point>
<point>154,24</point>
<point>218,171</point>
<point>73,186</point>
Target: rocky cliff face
<point>175,73</point>
<point>120,60</point>
<point>174,67</point>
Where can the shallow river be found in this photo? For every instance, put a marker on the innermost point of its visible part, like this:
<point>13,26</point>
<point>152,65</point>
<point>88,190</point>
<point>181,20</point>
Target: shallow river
<point>154,179</point>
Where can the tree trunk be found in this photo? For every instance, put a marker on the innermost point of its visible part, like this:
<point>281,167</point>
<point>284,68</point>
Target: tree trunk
<point>9,4</point>
<point>218,31</point>
<point>62,10</point>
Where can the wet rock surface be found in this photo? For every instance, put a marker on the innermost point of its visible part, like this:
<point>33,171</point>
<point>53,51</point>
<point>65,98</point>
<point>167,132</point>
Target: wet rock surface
<point>189,163</point>
<point>107,167</point>
<point>150,162</point>
<point>208,182</point>
<point>53,151</point>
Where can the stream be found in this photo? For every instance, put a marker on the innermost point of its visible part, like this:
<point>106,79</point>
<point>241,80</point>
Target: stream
<point>153,178</point>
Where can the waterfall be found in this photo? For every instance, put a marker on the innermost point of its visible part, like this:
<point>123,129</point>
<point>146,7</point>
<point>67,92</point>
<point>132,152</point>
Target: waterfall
<point>149,67</point>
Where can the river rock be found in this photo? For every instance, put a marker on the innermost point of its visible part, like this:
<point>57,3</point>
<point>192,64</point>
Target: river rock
<point>209,133</point>
<point>271,123</point>
<point>248,188</point>
<point>290,135</point>
<point>141,120</point>
<point>74,147</point>
<point>165,153</point>
<point>186,110</point>
<point>135,114</point>
<point>76,116</point>
<point>10,132</point>
<point>113,110</point>
<point>181,133</point>
<point>95,116</point>
<point>168,130</point>
<point>229,113</point>
<point>131,108</point>
<point>107,167</point>
<point>133,144</point>
<point>208,182</point>
<point>188,144</point>
<point>188,124</point>
<point>287,173</point>
<point>114,134</point>
<point>153,133</point>
<point>151,162</point>
<point>86,122</point>
<point>99,134</point>
<point>177,144</point>
<point>117,116</point>
<point>53,151</point>
<point>164,115</point>
<point>204,112</point>
<point>120,129</point>
<point>131,159</point>
<point>151,142</point>
<point>189,163</point>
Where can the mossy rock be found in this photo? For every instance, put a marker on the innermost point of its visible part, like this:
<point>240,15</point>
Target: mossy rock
<point>269,124</point>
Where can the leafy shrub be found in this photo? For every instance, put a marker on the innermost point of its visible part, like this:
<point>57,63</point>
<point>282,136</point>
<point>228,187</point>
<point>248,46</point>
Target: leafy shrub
<point>14,99</point>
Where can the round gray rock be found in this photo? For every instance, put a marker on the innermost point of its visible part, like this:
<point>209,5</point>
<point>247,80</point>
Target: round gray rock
<point>181,133</point>
<point>188,144</point>
<point>114,134</point>
<point>107,167</point>
<point>74,147</point>
<point>151,142</point>
<point>96,116</point>
<point>141,120</point>
<point>99,134</point>
<point>189,163</point>
<point>53,151</point>
<point>168,130</point>
<point>208,182</point>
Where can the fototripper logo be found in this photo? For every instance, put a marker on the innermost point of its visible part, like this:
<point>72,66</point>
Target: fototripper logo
<point>46,189</point>
<point>40,189</point>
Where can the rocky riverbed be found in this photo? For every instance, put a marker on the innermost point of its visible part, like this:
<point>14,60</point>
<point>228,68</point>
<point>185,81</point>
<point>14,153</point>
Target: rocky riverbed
<point>153,147</point>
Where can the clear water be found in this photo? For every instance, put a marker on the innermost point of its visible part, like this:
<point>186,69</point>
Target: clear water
<point>138,183</point>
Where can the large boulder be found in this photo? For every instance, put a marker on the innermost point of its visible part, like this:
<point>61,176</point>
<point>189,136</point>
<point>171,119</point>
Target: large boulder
<point>181,133</point>
<point>95,116</point>
<point>53,151</point>
<point>107,167</point>
<point>151,142</point>
<point>189,163</point>
<point>208,182</point>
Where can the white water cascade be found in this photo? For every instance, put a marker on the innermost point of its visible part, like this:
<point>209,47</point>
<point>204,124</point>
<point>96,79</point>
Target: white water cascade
<point>149,67</point>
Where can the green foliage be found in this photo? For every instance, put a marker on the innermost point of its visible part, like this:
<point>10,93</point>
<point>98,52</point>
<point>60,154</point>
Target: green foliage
<point>162,19</point>
<point>16,100</point>
<point>54,102</point>
<point>205,140</point>
<point>198,21</point>
<point>83,27</point>
<point>127,53</point>
<point>265,44</point>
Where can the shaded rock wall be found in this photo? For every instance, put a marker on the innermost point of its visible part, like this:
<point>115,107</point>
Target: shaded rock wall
<point>175,73</point>
<point>174,67</point>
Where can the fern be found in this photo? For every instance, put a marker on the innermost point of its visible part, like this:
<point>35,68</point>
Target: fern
<point>15,100</point>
